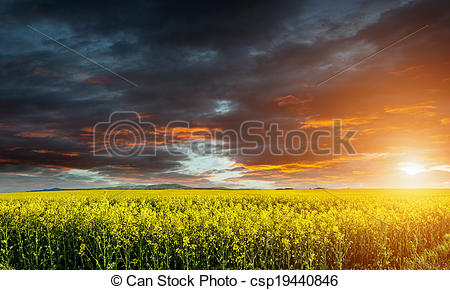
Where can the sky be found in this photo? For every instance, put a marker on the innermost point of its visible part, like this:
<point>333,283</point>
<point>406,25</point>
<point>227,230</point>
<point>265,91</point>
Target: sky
<point>216,65</point>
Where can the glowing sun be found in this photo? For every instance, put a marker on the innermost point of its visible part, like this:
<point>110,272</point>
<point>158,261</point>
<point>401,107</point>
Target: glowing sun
<point>412,168</point>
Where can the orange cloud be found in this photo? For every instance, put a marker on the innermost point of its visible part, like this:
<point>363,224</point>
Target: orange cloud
<point>291,100</point>
<point>88,129</point>
<point>314,122</point>
<point>406,70</point>
<point>295,167</point>
<point>419,108</point>
<point>39,70</point>
<point>71,154</point>
<point>130,167</point>
<point>15,148</point>
<point>97,80</point>
<point>38,134</point>
<point>188,134</point>
<point>10,64</point>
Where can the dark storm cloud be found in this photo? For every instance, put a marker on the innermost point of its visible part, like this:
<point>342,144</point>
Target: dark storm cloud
<point>196,23</point>
<point>186,57</point>
<point>190,51</point>
<point>172,50</point>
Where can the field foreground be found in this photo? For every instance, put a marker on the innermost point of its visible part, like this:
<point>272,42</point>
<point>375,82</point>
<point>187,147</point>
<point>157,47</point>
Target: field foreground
<point>212,229</point>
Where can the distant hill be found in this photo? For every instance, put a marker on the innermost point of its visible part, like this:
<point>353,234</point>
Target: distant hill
<point>135,187</point>
<point>152,186</point>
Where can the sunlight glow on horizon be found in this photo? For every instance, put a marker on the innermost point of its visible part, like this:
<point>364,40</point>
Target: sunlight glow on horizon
<point>411,168</point>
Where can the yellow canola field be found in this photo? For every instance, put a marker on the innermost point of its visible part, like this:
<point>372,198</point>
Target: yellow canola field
<point>226,229</point>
